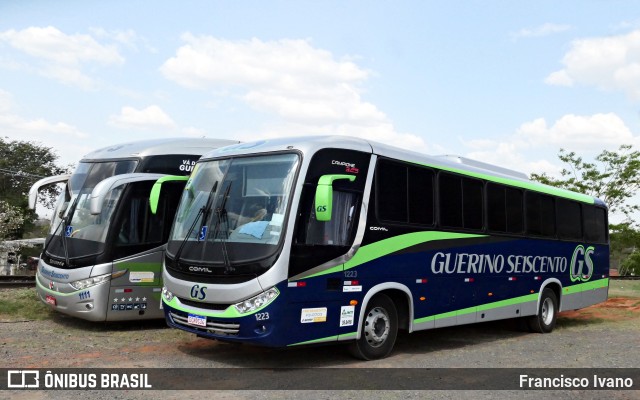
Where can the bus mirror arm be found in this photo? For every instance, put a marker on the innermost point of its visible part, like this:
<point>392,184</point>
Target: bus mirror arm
<point>154,196</point>
<point>102,189</point>
<point>35,188</point>
<point>324,195</point>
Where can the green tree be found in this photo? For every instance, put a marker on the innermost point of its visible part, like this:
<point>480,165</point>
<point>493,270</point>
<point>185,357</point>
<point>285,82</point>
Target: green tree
<point>11,219</point>
<point>631,264</point>
<point>22,163</point>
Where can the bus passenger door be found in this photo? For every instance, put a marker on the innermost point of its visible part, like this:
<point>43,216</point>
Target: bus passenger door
<point>327,220</point>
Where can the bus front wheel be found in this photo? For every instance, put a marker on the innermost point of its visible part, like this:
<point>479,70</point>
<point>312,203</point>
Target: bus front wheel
<point>545,320</point>
<point>379,330</point>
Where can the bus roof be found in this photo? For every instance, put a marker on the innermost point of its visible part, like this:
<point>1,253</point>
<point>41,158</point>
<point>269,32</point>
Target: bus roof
<point>144,148</point>
<point>456,164</point>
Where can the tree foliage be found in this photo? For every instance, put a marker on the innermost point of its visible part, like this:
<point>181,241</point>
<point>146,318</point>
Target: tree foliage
<point>614,177</point>
<point>631,264</point>
<point>22,163</point>
<point>11,219</point>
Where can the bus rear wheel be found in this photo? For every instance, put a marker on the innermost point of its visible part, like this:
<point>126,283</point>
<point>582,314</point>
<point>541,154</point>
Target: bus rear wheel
<point>545,320</point>
<point>379,330</point>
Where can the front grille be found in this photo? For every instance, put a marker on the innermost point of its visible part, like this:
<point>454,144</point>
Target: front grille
<point>213,327</point>
<point>208,306</point>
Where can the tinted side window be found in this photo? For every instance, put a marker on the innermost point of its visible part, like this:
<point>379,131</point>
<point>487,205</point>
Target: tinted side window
<point>460,201</point>
<point>421,196</point>
<point>496,210</point>
<point>472,203</point>
<point>404,193</point>
<point>515,210</point>
<point>569,219</point>
<point>450,189</point>
<point>540,214</point>
<point>595,224</point>
<point>505,210</point>
<point>391,191</point>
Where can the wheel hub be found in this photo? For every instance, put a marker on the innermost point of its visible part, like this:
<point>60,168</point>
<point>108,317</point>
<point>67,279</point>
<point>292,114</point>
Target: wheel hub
<point>377,326</point>
<point>547,311</point>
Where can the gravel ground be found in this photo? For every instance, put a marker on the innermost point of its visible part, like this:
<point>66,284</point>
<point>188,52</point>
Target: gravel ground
<point>603,336</point>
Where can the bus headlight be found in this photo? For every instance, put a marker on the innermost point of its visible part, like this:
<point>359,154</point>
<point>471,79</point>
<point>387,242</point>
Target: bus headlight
<point>85,283</point>
<point>168,296</point>
<point>258,301</point>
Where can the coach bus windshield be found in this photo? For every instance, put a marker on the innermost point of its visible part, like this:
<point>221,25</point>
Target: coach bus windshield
<point>232,211</point>
<point>75,232</point>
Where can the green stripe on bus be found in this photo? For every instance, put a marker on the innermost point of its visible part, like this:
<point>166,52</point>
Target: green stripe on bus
<point>230,312</point>
<point>534,186</point>
<point>326,339</point>
<point>388,246</point>
<point>351,335</point>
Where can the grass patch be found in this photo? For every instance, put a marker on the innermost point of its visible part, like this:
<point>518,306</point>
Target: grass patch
<point>22,304</point>
<point>620,288</point>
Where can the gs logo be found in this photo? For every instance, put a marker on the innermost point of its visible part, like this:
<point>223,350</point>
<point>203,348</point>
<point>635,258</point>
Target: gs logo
<point>581,259</point>
<point>321,209</point>
<point>198,292</point>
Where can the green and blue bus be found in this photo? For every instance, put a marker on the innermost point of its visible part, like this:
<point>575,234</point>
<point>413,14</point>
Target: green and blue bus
<point>102,259</point>
<point>313,240</point>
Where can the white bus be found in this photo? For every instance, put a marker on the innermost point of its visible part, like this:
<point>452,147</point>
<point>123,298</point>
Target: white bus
<point>333,239</point>
<point>102,258</point>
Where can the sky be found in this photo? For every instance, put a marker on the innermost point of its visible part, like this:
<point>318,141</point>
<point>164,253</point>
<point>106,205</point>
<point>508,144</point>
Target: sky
<point>505,82</point>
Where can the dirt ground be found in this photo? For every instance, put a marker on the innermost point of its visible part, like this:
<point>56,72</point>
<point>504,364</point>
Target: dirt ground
<point>612,328</point>
<point>602,336</point>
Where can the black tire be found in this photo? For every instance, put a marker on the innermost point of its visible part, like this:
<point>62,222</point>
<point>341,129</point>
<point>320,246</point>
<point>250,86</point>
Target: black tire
<point>379,330</point>
<point>545,320</point>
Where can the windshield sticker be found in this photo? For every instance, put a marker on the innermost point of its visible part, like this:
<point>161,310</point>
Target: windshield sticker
<point>347,314</point>
<point>312,315</point>
<point>68,231</point>
<point>141,276</point>
<point>203,233</point>
<point>255,229</point>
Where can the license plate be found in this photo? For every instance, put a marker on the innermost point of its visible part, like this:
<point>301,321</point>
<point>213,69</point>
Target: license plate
<point>51,300</point>
<point>197,320</point>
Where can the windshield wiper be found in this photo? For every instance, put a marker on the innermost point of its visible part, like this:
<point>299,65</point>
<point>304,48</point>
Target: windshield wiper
<point>64,220</point>
<point>53,235</point>
<point>221,213</point>
<point>204,211</point>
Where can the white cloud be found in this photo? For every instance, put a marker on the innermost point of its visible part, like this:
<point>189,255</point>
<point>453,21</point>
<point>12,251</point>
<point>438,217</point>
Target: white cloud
<point>578,132</point>
<point>559,78</point>
<point>129,38</point>
<point>149,118</point>
<point>609,63</point>
<point>47,133</point>
<point>306,89</point>
<point>536,142</point>
<point>540,31</point>
<point>62,55</point>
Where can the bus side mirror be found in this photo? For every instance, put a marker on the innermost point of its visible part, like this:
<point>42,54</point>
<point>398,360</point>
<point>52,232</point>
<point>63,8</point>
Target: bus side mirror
<point>33,191</point>
<point>154,197</point>
<point>324,195</point>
